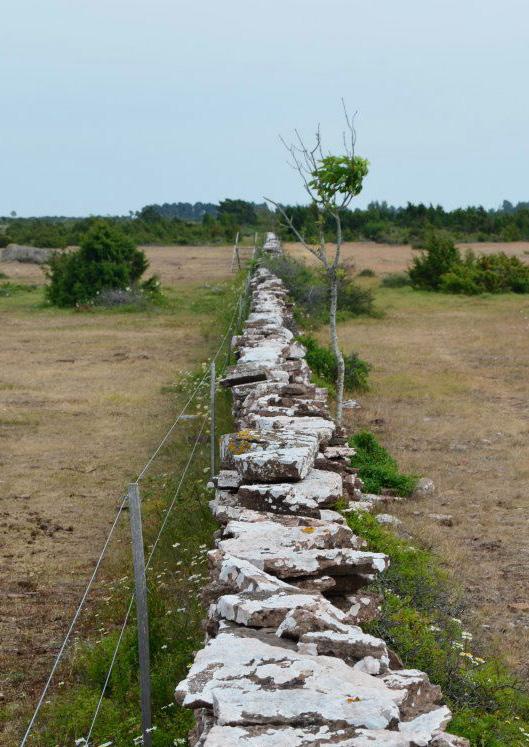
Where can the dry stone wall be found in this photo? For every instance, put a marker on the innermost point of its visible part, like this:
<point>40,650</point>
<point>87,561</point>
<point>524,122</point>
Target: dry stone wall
<point>286,662</point>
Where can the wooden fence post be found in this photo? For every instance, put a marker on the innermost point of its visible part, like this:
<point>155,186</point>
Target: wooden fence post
<point>212,398</point>
<point>142,611</point>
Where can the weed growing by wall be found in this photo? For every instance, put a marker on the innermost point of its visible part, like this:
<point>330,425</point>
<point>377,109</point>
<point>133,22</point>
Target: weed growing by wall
<point>377,468</point>
<point>421,621</point>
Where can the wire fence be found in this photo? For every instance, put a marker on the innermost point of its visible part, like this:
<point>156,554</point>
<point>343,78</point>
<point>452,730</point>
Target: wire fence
<point>233,323</point>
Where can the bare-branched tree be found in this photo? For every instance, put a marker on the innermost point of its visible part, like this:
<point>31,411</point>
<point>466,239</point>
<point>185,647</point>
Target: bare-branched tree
<point>331,182</point>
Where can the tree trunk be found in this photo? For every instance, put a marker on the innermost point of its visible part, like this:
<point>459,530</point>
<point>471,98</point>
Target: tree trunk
<point>335,345</point>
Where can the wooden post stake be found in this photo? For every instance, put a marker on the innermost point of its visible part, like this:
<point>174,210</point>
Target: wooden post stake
<point>212,393</point>
<point>142,611</point>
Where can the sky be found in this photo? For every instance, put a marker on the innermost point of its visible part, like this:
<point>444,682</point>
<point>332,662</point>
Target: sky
<point>108,105</point>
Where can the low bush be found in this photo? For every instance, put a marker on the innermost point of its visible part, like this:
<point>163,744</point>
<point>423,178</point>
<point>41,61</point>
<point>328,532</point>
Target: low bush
<point>439,254</point>
<point>420,621</point>
<point>396,280</point>
<point>495,273</point>
<point>106,261</point>
<point>441,267</point>
<point>377,468</point>
<point>367,273</point>
<point>323,364</point>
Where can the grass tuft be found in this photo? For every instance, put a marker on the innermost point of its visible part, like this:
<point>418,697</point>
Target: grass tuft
<point>377,468</point>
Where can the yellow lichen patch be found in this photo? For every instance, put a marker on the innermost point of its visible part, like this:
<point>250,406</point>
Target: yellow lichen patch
<point>245,434</point>
<point>308,530</point>
<point>239,447</point>
<point>354,699</point>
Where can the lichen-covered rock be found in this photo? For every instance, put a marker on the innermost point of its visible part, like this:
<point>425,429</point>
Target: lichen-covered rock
<point>421,697</point>
<point>300,551</point>
<point>245,680</point>
<point>228,479</point>
<point>316,490</point>
<point>290,736</point>
<point>321,427</point>
<point>242,374</point>
<point>362,607</point>
<point>287,459</point>
<point>425,487</point>
<point>258,610</point>
<point>338,452</point>
<point>350,645</point>
<point>449,740</point>
<point>427,725</point>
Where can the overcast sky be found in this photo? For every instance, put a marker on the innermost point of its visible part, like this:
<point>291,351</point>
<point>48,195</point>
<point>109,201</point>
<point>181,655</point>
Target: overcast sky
<point>107,105</point>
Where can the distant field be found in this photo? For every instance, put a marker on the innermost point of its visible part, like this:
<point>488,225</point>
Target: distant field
<point>174,265</point>
<point>386,258</point>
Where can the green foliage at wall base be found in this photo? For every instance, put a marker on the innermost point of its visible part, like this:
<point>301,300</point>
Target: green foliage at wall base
<point>322,362</point>
<point>377,468</point>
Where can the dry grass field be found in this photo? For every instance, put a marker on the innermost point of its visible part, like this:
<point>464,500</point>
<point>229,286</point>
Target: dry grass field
<point>450,399</point>
<point>386,258</point>
<point>82,406</point>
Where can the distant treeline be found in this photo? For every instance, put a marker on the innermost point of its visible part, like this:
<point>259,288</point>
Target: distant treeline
<point>199,223</point>
<point>387,224</point>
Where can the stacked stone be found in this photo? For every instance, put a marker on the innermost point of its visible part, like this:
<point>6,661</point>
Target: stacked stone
<point>286,662</point>
<point>271,244</point>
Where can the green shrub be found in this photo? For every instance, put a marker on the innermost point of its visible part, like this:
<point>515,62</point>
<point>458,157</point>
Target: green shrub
<point>310,291</point>
<point>441,267</point>
<point>438,256</point>
<point>367,273</point>
<point>396,280</point>
<point>106,260</point>
<point>323,364</point>
<point>493,273</point>
<point>377,468</point>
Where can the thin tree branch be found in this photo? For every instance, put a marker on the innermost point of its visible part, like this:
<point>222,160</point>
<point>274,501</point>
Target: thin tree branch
<point>311,249</point>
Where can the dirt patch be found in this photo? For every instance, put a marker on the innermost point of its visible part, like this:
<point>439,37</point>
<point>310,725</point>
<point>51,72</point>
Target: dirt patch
<point>449,399</point>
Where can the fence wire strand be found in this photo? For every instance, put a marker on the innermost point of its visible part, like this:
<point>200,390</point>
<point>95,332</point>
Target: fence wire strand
<point>147,565</point>
<point>237,310</point>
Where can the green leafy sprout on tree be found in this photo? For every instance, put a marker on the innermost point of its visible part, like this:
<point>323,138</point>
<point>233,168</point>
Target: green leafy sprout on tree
<point>331,182</point>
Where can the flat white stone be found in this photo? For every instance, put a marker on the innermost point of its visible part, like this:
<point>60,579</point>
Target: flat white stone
<point>272,736</point>
<point>320,427</point>
<point>246,680</point>
<point>244,576</point>
<point>290,459</point>
<point>338,452</point>
<point>426,725</point>
<point>319,488</point>
<point>254,611</point>
<point>353,644</point>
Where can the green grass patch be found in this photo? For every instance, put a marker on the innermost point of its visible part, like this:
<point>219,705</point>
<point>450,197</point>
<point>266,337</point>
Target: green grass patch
<point>322,363</point>
<point>377,468</point>
<point>420,621</point>
<point>11,289</point>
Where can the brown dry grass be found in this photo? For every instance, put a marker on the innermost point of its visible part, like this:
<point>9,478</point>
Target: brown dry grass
<point>174,265</point>
<point>81,408</point>
<point>449,399</point>
<point>386,258</point>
